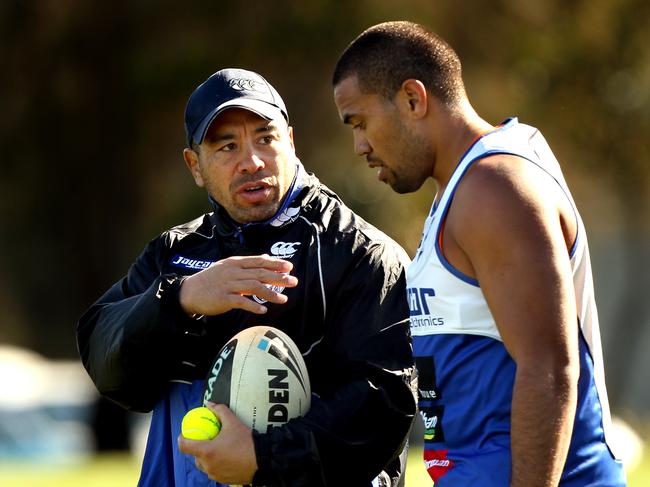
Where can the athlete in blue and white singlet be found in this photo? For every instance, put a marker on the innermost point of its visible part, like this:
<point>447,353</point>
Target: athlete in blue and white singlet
<point>466,376</point>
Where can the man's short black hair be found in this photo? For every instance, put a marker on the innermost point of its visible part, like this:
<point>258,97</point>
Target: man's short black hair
<point>387,54</point>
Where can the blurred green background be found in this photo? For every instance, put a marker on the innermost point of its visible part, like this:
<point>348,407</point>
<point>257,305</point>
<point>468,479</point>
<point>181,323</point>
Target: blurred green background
<point>92,97</point>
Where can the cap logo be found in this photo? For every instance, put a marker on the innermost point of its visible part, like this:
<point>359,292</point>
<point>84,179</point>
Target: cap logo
<point>245,84</point>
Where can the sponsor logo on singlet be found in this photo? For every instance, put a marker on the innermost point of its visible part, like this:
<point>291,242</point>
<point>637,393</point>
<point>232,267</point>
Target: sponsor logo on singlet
<point>432,418</point>
<point>419,299</point>
<point>437,463</point>
<point>427,387</point>
<point>189,263</point>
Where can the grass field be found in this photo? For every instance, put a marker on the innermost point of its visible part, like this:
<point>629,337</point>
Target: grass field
<point>122,470</point>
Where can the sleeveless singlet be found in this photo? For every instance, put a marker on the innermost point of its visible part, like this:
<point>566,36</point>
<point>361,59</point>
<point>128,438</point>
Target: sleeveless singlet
<point>466,376</point>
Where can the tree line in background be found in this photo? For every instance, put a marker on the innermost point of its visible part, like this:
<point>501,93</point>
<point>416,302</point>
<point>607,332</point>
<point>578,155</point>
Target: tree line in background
<point>93,93</point>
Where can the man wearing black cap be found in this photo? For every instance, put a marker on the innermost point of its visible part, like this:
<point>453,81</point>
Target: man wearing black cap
<point>279,249</point>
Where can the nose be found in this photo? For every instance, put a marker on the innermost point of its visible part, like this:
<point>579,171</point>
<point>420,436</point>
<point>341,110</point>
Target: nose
<point>251,162</point>
<point>361,145</point>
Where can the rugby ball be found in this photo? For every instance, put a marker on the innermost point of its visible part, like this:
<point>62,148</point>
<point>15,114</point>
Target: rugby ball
<point>261,375</point>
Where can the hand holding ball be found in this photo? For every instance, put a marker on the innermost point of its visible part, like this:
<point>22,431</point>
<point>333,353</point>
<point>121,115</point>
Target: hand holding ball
<point>200,424</point>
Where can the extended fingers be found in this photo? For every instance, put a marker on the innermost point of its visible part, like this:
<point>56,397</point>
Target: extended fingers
<point>262,291</point>
<point>269,277</point>
<point>224,285</point>
<point>268,270</point>
<point>238,301</point>
<point>264,261</point>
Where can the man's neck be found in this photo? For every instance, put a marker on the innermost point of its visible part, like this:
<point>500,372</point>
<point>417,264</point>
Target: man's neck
<point>456,133</point>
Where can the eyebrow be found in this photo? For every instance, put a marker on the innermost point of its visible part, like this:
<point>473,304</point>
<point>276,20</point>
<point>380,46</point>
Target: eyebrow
<point>221,137</point>
<point>269,127</point>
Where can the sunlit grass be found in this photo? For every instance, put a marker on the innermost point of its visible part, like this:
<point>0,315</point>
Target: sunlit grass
<point>106,470</point>
<point>109,470</point>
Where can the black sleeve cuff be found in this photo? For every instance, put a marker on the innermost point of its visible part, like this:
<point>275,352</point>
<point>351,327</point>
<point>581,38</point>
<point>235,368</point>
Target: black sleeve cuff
<point>263,453</point>
<point>192,351</point>
<point>168,292</point>
<point>287,455</point>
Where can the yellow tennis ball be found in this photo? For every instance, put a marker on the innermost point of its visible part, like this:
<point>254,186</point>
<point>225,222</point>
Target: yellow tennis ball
<point>200,424</point>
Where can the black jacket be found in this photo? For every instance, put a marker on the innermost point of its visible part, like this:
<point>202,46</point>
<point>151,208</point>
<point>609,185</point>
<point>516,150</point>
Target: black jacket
<point>348,315</point>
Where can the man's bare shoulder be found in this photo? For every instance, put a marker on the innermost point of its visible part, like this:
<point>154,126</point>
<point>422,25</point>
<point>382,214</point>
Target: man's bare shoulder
<point>502,197</point>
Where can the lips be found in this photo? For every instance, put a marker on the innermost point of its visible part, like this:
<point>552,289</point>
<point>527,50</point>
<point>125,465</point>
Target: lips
<point>373,162</point>
<point>252,186</point>
<point>257,187</point>
<point>381,171</point>
<point>382,174</point>
<point>255,191</point>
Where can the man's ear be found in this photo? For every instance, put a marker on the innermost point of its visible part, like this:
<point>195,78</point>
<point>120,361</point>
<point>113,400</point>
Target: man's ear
<point>413,98</point>
<point>290,131</point>
<point>192,163</point>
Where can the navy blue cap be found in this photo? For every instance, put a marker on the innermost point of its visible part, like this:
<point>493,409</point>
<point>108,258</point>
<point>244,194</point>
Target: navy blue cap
<point>230,88</point>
